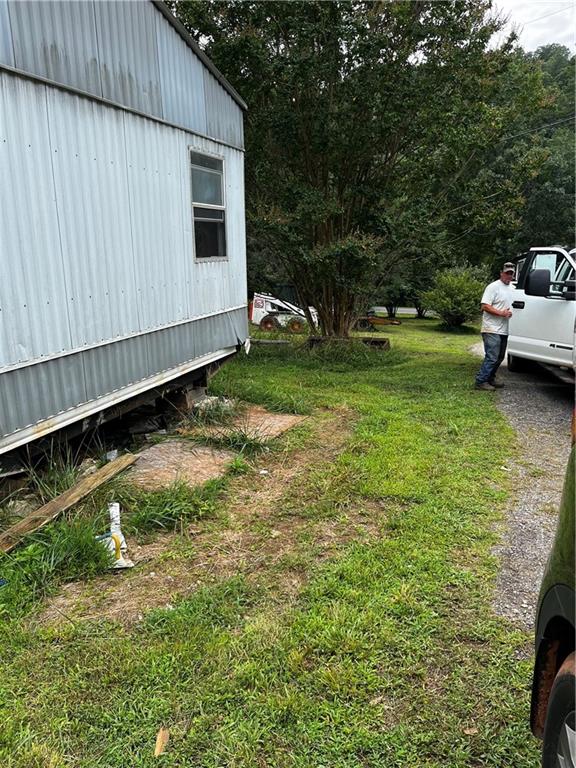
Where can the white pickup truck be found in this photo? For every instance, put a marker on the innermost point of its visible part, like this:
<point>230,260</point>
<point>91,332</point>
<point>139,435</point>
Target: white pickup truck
<point>542,326</point>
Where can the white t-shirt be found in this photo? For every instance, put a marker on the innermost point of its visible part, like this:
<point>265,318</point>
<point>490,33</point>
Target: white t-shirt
<point>500,296</point>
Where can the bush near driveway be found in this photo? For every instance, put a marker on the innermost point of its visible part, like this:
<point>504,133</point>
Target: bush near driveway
<point>456,295</point>
<point>389,656</point>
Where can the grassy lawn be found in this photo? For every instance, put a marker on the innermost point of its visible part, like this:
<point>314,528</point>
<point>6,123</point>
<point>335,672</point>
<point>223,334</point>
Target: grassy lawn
<point>368,641</point>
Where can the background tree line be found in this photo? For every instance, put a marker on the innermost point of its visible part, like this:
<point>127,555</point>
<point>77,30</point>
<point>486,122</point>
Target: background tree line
<point>386,141</point>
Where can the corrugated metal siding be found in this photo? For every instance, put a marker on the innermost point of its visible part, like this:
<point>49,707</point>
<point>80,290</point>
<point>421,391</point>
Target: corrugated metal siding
<point>98,225</point>
<point>91,187</point>
<point>224,119</point>
<point>29,396</point>
<point>129,54</point>
<point>114,366</point>
<point>33,308</point>
<point>57,40</point>
<point>97,244</point>
<point>6,49</point>
<point>155,155</point>
<point>124,51</point>
<point>182,80</point>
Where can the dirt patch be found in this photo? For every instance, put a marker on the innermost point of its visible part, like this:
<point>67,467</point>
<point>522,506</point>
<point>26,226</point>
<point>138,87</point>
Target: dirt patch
<point>172,460</point>
<point>255,421</point>
<point>257,539</point>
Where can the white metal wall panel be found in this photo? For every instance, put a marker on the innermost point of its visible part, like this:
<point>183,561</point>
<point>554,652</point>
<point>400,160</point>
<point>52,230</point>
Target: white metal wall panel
<point>57,40</point>
<point>94,213</point>
<point>123,50</point>
<point>218,285</point>
<point>6,47</point>
<point>162,254</point>
<point>129,54</point>
<point>96,233</point>
<point>224,118</point>
<point>33,312</point>
<point>181,78</point>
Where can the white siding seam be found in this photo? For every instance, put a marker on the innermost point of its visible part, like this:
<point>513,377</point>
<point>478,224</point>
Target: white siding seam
<point>57,206</point>
<point>11,33</point>
<point>109,342</point>
<point>97,48</point>
<point>114,104</point>
<point>131,219</point>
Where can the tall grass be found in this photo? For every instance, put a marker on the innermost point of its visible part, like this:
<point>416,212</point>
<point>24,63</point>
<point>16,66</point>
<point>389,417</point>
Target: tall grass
<point>166,508</point>
<point>57,471</point>
<point>64,551</point>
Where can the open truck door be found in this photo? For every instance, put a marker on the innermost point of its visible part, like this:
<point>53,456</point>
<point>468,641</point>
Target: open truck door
<point>544,309</point>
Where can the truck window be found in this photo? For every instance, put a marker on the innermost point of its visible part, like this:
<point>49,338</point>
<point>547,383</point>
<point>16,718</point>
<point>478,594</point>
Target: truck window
<point>546,261</point>
<point>559,267</point>
<point>565,271</point>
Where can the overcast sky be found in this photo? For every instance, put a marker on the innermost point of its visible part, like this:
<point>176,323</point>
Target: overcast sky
<point>540,22</point>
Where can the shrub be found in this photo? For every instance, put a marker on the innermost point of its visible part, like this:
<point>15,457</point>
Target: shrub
<point>456,295</point>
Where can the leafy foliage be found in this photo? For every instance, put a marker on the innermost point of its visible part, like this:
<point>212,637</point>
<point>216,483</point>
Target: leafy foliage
<point>350,164</point>
<point>456,295</point>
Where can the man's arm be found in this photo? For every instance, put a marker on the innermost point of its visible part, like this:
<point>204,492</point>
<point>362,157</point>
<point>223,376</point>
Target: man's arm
<point>498,312</point>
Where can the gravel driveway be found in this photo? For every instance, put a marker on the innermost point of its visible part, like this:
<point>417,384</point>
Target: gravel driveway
<point>539,408</point>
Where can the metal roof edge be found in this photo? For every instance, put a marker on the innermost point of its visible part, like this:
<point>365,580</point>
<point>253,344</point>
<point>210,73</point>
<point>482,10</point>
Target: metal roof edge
<point>191,43</point>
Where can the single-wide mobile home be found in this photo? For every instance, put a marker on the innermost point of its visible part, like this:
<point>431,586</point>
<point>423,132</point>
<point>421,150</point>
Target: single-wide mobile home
<point>122,239</point>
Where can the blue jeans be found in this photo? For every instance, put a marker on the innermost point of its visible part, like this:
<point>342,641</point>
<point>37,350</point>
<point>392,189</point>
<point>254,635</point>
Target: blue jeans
<point>494,352</point>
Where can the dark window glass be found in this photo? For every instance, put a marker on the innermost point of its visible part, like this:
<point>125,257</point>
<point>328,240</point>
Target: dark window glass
<point>210,237</point>
<point>209,223</point>
<point>209,214</point>
<point>205,162</point>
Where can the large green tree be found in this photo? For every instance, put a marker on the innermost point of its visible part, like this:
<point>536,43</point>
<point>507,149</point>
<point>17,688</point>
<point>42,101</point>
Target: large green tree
<point>548,214</point>
<point>518,191</point>
<point>361,116</point>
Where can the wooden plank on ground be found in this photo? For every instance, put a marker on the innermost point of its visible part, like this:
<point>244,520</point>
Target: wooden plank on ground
<point>37,519</point>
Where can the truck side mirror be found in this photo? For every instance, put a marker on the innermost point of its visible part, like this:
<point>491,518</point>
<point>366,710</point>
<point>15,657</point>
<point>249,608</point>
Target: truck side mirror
<point>537,283</point>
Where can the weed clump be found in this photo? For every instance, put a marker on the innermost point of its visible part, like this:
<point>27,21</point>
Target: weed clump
<point>65,551</point>
<point>215,411</point>
<point>242,440</point>
<point>165,508</point>
<point>58,472</point>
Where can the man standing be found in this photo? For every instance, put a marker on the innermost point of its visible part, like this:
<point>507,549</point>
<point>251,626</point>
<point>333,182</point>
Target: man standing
<point>496,303</point>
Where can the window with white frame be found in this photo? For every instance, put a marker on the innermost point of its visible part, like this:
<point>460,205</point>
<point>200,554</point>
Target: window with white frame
<point>208,206</point>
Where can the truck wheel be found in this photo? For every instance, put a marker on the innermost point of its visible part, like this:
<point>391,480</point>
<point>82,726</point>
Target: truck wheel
<point>559,731</point>
<point>269,323</point>
<point>516,364</point>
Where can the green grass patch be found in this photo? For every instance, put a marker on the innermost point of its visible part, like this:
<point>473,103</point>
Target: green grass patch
<point>389,656</point>
<point>68,550</point>
<point>55,472</point>
<point>64,551</point>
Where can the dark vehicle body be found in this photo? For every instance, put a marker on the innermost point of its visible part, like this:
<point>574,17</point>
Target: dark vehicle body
<point>552,712</point>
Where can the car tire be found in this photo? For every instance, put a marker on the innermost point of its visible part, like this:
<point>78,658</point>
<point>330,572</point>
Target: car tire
<point>559,749</point>
<point>269,323</point>
<point>516,364</point>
